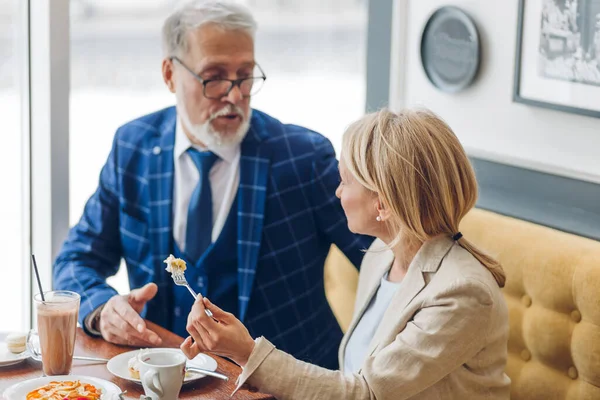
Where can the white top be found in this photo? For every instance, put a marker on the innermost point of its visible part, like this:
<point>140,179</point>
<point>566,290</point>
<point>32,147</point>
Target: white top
<point>224,181</point>
<point>362,335</point>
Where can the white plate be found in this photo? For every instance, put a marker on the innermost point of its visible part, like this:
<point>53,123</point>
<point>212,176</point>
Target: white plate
<point>110,391</point>
<point>118,365</point>
<point>7,358</point>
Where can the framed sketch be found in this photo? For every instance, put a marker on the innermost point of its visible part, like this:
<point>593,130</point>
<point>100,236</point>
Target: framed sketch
<point>557,64</point>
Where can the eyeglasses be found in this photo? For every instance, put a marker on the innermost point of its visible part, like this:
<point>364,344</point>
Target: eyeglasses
<point>218,88</point>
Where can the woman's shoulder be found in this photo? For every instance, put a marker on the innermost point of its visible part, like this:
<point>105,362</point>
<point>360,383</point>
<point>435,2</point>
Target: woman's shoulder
<point>460,268</point>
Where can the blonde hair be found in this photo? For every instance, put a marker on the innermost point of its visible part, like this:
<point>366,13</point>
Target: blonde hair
<point>415,164</point>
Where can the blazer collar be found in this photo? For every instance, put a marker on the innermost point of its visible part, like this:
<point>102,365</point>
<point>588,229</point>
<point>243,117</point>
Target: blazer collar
<point>160,189</point>
<point>430,255</point>
<point>427,260</point>
<point>255,165</point>
<point>259,127</point>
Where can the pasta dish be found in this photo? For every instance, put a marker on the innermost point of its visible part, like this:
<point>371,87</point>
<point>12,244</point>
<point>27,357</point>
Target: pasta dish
<point>65,390</point>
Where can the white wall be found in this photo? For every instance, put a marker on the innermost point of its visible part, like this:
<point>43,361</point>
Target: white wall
<point>484,117</point>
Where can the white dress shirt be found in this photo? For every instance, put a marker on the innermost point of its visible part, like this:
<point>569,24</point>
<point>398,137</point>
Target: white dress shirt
<point>362,335</point>
<point>224,179</point>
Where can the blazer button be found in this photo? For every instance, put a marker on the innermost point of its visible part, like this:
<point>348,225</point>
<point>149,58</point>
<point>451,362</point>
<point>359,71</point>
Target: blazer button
<point>526,355</point>
<point>573,373</point>
<point>576,316</point>
<point>526,301</point>
<point>156,150</point>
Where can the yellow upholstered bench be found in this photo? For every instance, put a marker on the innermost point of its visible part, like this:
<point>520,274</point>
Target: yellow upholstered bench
<point>553,297</point>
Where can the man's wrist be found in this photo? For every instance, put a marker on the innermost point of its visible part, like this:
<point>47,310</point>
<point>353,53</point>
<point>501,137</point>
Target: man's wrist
<point>92,321</point>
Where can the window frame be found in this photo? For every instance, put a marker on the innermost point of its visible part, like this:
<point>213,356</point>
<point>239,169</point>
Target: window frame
<point>48,125</point>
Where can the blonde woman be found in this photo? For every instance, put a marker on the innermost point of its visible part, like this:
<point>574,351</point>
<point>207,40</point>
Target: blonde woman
<point>430,321</point>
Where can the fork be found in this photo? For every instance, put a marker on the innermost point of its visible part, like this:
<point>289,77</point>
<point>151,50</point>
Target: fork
<point>207,372</point>
<point>180,280</point>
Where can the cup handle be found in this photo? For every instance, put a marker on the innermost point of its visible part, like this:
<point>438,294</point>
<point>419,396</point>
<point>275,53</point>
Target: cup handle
<point>151,380</point>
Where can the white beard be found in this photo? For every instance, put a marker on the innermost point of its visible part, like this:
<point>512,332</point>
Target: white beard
<point>206,134</point>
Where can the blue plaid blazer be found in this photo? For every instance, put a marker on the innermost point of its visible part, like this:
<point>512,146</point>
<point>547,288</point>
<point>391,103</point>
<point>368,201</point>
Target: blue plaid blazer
<point>288,216</point>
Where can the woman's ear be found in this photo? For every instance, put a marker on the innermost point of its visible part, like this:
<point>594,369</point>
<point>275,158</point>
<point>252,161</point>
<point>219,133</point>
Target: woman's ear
<point>383,212</point>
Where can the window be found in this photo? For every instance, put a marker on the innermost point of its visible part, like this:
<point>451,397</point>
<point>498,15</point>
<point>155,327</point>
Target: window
<point>13,273</point>
<point>313,53</point>
<point>115,77</point>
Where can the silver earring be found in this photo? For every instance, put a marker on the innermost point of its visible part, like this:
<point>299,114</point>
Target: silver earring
<point>378,218</point>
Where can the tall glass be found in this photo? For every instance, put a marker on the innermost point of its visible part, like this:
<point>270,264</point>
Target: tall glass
<point>57,327</point>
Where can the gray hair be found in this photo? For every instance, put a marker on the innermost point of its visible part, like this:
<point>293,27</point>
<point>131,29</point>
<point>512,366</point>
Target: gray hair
<point>196,13</point>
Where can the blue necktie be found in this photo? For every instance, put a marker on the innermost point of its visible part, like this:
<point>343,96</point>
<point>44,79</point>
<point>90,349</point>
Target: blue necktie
<point>198,233</point>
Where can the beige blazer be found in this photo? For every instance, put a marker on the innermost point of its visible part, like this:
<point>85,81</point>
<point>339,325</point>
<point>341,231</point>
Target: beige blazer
<point>443,336</point>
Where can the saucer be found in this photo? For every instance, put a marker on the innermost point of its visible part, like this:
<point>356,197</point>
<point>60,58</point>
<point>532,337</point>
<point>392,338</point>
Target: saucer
<point>19,391</point>
<point>8,358</point>
<point>119,365</point>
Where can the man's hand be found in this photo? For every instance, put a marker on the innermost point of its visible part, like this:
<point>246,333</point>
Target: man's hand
<point>227,338</point>
<point>120,320</point>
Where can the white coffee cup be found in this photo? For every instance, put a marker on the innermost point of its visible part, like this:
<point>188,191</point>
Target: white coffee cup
<point>162,374</point>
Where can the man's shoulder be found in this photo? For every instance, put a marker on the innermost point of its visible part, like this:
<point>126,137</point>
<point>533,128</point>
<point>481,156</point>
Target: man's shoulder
<point>294,138</point>
<point>153,124</point>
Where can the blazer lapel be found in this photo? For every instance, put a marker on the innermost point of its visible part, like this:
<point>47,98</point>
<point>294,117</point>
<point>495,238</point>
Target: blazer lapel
<point>427,260</point>
<point>381,264</point>
<point>254,172</point>
<point>411,285</point>
<point>160,183</point>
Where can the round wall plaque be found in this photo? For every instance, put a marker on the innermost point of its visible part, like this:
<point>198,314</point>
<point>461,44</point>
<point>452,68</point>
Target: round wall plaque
<point>450,50</point>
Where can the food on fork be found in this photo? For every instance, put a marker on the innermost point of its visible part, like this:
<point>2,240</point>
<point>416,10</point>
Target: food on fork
<point>15,342</point>
<point>65,390</point>
<point>175,265</point>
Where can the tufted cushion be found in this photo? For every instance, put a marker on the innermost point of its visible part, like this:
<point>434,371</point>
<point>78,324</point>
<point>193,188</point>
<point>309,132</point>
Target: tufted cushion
<point>553,297</point>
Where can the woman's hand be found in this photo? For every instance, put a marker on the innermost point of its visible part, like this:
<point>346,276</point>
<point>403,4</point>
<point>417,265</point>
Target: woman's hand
<point>227,338</point>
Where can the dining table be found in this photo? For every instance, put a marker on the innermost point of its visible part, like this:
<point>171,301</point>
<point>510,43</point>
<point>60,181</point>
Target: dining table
<point>85,345</point>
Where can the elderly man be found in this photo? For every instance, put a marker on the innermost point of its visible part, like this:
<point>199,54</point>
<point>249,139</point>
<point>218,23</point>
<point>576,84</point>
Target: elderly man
<point>247,201</point>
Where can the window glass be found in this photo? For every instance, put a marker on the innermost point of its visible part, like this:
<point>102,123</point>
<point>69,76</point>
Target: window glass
<point>313,53</point>
<point>12,179</point>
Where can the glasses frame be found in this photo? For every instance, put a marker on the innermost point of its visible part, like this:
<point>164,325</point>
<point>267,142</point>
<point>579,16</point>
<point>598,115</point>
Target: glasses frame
<point>233,82</point>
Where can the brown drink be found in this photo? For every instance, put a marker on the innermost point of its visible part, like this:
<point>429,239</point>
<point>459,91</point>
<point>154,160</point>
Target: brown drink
<point>57,326</point>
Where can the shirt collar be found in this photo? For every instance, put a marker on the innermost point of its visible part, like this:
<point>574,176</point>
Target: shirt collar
<point>182,143</point>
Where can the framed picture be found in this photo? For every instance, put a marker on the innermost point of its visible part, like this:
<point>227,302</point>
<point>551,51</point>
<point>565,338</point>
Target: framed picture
<point>557,64</point>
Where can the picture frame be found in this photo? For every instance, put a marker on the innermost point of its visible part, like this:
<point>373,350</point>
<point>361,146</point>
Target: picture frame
<point>557,62</point>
